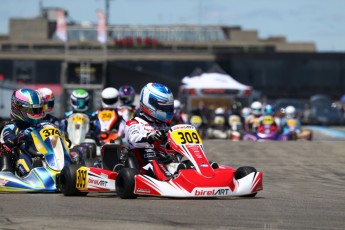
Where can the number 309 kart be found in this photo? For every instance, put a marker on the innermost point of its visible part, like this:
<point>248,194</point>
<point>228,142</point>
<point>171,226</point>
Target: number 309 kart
<point>199,178</point>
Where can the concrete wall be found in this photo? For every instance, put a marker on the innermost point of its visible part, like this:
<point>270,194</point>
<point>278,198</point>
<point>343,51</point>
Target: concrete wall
<point>28,30</point>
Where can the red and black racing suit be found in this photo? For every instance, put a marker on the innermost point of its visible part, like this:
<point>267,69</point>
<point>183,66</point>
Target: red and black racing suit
<point>151,162</point>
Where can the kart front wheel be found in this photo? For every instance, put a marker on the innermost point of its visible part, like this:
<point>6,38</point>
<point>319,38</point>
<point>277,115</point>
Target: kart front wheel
<point>67,181</point>
<point>242,172</point>
<point>125,183</point>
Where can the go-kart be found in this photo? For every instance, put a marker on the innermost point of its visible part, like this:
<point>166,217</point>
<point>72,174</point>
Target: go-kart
<point>106,119</point>
<point>292,130</point>
<point>50,153</point>
<point>199,179</point>
<point>267,131</point>
<point>78,125</point>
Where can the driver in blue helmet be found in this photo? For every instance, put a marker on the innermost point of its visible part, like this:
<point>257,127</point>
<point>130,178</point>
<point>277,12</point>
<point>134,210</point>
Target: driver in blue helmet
<point>79,100</point>
<point>26,111</point>
<point>141,133</point>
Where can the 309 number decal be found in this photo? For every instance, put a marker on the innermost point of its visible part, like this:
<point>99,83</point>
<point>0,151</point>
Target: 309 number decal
<point>186,137</point>
<point>82,178</point>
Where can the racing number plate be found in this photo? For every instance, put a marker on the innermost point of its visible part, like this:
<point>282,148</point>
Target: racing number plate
<point>106,115</point>
<point>185,136</point>
<point>82,178</point>
<point>47,132</point>
<point>267,120</point>
<point>196,120</point>
<point>291,122</point>
<point>78,119</point>
<point>234,120</point>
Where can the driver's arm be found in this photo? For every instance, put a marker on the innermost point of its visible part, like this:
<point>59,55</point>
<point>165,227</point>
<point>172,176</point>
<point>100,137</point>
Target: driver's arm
<point>134,136</point>
<point>12,135</point>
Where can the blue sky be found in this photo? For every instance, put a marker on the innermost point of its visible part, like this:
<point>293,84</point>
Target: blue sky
<point>319,21</point>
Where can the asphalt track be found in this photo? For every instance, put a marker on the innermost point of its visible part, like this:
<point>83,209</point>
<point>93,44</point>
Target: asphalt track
<point>303,189</point>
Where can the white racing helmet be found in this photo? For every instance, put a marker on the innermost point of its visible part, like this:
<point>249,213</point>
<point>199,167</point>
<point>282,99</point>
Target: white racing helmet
<point>256,108</point>
<point>110,96</point>
<point>290,111</point>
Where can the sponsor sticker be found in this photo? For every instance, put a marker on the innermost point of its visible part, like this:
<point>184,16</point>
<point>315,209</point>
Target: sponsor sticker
<point>221,191</point>
<point>98,182</point>
<point>3,182</point>
<point>141,190</point>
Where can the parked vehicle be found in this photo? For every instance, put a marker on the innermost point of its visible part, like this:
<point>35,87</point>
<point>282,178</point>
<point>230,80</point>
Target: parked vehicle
<point>322,112</point>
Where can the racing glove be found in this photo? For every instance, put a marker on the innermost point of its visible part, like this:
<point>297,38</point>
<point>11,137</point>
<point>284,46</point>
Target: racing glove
<point>23,138</point>
<point>159,135</point>
<point>164,158</point>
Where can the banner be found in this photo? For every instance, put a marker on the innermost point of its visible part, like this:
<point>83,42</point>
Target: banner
<point>61,28</point>
<point>102,27</point>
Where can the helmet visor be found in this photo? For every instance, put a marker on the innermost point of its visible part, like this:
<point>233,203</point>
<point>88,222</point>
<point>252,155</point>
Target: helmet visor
<point>49,105</point>
<point>79,103</point>
<point>32,109</point>
<point>109,101</point>
<point>169,108</point>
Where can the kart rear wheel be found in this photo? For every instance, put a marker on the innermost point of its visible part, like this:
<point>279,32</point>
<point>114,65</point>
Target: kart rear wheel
<point>131,161</point>
<point>67,181</point>
<point>242,172</point>
<point>125,183</point>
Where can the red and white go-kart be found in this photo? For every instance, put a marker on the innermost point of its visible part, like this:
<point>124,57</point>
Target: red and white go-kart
<point>199,179</point>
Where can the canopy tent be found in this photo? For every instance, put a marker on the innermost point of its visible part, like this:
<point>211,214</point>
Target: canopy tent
<point>213,81</point>
<point>218,89</point>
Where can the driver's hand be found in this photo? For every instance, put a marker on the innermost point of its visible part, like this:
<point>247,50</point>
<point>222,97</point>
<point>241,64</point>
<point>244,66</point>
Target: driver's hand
<point>158,135</point>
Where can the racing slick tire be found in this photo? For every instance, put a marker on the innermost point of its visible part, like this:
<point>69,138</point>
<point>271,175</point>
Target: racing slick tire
<point>67,181</point>
<point>242,172</point>
<point>125,183</point>
<point>131,161</point>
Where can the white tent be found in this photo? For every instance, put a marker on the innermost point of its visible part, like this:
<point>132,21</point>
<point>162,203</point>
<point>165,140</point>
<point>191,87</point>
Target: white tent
<point>213,81</point>
<point>217,89</point>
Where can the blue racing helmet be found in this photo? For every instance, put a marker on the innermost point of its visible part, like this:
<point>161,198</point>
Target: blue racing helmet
<point>157,101</point>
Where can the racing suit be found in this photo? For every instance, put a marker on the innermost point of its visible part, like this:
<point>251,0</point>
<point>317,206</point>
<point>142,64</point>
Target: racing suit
<point>127,112</point>
<point>151,162</point>
<point>14,135</point>
<point>52,119</point>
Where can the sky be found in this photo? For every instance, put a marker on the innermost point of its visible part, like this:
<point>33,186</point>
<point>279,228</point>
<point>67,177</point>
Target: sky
<point>318,21</point>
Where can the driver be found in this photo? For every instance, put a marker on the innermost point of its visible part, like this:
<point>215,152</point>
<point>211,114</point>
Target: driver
<point>142,132</point>
<point>48,99</point>
<point>26,111</point>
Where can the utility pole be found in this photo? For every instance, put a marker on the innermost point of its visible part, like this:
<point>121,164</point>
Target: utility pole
<point>107,7</point>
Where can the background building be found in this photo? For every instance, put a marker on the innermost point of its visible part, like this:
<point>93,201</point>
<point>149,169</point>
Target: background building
<point>32,54</point>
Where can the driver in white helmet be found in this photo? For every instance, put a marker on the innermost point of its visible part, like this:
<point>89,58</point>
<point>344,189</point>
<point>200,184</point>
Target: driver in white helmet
<point>156,113</point>
<point>252,121</point>
<point>107,118</point>
<point>291,114</point>
<point>48,100</point>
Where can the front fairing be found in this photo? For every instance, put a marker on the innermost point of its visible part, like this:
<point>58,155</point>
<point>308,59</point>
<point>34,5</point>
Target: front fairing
<point>185,140</point>
<point>49,141</point>
<point>107,119</point>
<point>77,127</point>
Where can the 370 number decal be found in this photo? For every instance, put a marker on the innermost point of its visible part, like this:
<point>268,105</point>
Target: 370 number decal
<point>186,137</point>
<point>82,178</point>
<point>45,133</point>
